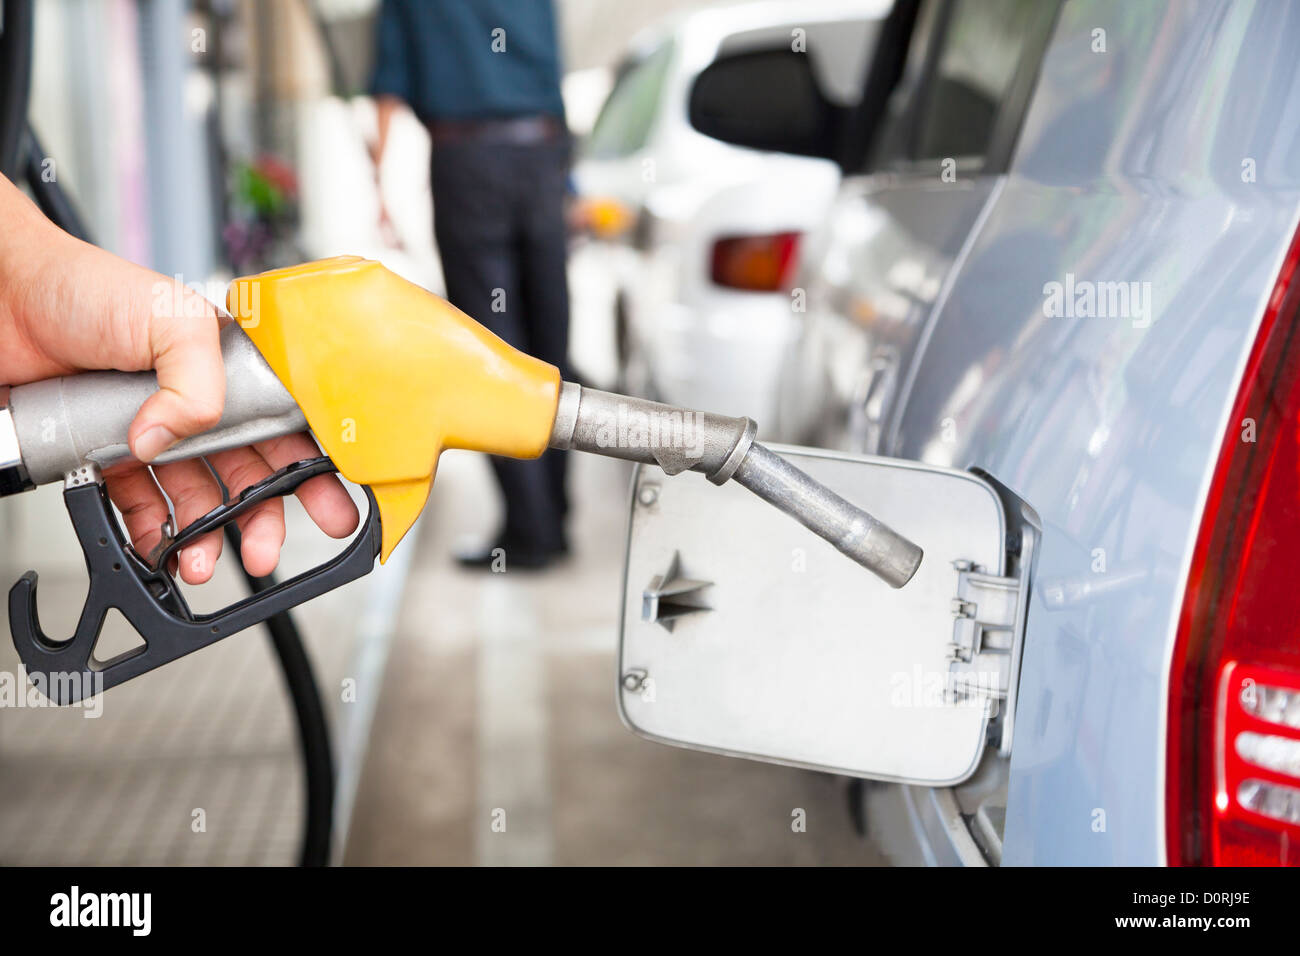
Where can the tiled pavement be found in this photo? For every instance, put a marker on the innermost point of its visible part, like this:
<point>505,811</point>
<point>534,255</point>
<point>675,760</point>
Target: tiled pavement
<point>499,705</point>
<point>212,732</point>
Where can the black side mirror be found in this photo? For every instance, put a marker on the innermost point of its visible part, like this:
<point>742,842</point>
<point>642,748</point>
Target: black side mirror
<point>766,99</point>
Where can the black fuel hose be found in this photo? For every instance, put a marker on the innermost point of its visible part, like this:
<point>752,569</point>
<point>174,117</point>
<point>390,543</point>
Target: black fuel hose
<point>309,710</point>
<point>49,195</point>
<point>15,83</point>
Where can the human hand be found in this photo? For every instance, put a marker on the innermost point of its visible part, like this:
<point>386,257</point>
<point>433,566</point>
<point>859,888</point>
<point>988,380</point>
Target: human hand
<point>66,307</point>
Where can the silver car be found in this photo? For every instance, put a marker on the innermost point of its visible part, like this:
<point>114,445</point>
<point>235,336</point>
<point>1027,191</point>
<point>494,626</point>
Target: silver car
<point>1056,296</point>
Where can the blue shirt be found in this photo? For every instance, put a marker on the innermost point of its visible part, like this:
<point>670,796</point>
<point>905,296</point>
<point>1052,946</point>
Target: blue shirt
<point>469,59</point>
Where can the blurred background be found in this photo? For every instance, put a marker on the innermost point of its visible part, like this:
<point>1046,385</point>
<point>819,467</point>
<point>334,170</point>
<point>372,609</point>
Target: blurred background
<point>213,138</point>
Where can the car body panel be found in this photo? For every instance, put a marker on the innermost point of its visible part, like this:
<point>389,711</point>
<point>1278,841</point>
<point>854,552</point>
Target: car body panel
<point>876,271</point>
<point>1171,160</point>
<point>920,826</point>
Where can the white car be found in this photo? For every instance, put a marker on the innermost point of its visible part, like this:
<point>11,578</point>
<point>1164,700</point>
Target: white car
<point>698,241</point>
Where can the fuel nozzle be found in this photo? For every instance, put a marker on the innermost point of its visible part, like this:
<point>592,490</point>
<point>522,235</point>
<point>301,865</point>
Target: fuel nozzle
<point>387,376</point>
<point>723,449</point>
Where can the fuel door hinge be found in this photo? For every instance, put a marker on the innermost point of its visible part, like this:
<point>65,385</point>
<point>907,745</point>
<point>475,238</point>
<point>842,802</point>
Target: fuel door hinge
<point>984,619</point>
<point>988,628</point>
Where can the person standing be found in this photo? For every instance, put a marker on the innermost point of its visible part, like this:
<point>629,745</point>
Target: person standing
<point>484,78</point>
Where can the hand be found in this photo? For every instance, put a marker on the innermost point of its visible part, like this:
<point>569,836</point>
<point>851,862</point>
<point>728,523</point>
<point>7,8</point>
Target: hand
<point>66,306</point>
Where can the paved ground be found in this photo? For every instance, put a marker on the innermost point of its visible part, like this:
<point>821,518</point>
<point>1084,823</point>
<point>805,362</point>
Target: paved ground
<point>194,763</point>
<point>498,705</point>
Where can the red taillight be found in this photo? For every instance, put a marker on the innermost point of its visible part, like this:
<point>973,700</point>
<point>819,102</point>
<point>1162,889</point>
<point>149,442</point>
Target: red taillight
<point>755,263</point>
<point>1233,783</point>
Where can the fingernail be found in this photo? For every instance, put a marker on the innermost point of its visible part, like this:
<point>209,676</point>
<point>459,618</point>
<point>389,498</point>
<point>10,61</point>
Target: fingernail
<point>153,442</point>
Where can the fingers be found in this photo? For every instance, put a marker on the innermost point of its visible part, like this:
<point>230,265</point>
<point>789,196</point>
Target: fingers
<point>193,494</point>
<point>261,528</point>
<point>324,497</point>
<point>144,510</point>
<point>142,505</point>
<point>191,381</point>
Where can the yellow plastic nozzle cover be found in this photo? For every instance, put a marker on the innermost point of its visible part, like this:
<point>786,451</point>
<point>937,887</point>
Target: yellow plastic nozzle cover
<point>388,375</point>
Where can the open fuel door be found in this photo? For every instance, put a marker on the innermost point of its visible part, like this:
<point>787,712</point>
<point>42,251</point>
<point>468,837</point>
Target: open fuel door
<point>745,634</point>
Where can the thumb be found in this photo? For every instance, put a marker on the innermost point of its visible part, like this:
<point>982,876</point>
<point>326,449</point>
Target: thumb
<point>186,353</point>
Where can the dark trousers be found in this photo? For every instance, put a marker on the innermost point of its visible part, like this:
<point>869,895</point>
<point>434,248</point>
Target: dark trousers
<point>499,221</point>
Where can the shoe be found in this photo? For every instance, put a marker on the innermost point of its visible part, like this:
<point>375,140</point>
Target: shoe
<point>515,555</point>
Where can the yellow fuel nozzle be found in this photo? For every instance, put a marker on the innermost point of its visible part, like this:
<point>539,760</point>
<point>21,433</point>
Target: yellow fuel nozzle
<point>388,375</point>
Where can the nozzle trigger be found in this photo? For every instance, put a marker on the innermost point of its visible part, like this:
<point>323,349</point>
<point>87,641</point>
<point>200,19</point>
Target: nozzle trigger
<point>149,598</point>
